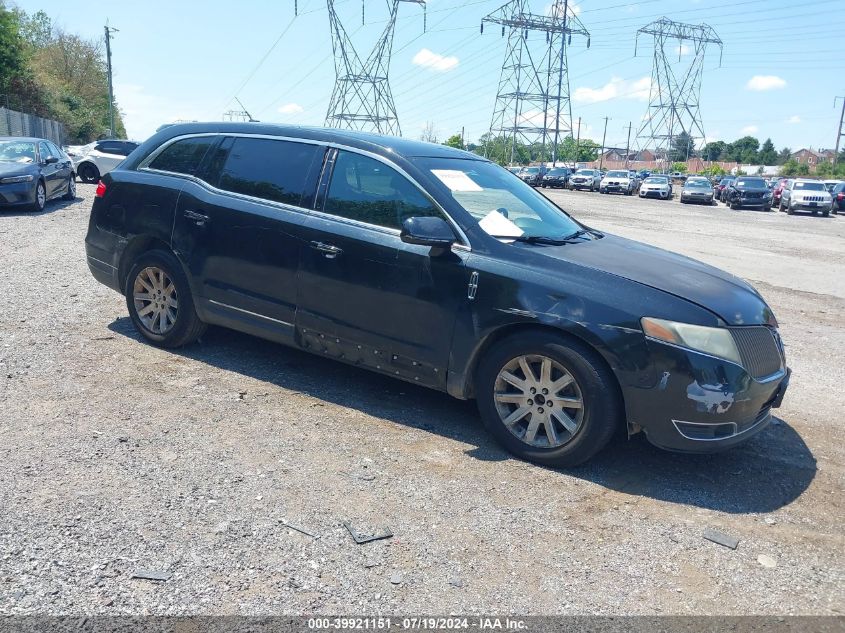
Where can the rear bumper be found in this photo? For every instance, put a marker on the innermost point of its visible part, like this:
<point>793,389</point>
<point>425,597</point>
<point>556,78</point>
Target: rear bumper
<point>700,404</point>
<point>103,251</point>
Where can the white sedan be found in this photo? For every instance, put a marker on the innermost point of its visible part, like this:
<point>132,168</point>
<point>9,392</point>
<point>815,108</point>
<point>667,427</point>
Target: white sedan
<point>656,187</point>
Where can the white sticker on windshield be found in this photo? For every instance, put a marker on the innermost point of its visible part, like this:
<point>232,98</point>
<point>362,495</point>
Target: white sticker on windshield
<point>494,223</point>
<point>456,180</point>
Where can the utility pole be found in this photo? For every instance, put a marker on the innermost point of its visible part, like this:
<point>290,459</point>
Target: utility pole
<point>109,31</point>
<point>578,143</point>
<point>463,144</point>
<point>839,136</point>
<point>628,145</point>
<point>603,137</point>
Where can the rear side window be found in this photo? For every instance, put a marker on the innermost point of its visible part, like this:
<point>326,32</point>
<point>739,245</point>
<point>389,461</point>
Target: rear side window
<point>269,169</point>
<point>185,156</point>
<point>109,148</point>
<point>367,190</point>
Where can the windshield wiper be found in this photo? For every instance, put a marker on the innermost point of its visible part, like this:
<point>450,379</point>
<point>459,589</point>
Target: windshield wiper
<point>532,239</point>
<point>582,233</point>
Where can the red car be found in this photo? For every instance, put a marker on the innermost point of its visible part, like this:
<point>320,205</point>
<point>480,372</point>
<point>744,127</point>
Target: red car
<point>777,191</point>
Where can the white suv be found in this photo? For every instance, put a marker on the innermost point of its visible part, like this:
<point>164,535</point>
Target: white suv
<point>806,195</point>
<point>618,181</point>
<point>101,159</point>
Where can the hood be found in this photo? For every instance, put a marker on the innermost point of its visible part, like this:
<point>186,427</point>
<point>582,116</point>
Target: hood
<point>15,169</point>
<point>729,297</point>
<point>753,189</point>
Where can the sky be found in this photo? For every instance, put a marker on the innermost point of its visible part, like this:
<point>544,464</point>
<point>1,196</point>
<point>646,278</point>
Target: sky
<point>781,68</point>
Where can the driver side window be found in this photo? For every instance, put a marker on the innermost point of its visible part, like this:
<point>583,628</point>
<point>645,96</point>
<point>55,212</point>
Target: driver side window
<point>367,190</point>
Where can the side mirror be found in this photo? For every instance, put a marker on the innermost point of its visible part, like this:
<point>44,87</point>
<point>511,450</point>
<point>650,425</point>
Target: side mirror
<point>51,160</point>
<point>427,231</point>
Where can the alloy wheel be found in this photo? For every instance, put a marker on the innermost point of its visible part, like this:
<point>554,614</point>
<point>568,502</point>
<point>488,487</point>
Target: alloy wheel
<point>156,300</point>
<point>40,196</point>
<point>539,401</point>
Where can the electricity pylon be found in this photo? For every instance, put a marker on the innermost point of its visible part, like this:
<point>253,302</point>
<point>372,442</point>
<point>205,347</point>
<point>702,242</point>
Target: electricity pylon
<point>532,103</point>
<point>673,104</point>
<point>361,99</point>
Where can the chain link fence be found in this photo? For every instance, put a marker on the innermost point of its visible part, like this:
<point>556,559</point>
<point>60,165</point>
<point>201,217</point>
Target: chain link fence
<point>14,123</point>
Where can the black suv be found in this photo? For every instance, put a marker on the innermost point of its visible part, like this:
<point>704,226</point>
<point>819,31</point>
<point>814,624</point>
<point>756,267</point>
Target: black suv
<point>532,175</point>
<point>557,177</point>
<point>748,192</point>
<point>435,266</point>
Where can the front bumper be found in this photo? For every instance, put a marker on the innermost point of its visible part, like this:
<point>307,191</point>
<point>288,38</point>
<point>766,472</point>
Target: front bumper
<point>752,203</point>
<point>581,184</point>
<point>705,198</point>
<point>809,206</point>
<point>17,194</point>
<point>556,182</point>
<point>654,193</point>
<point>696,403</point>
<point>615,188</point>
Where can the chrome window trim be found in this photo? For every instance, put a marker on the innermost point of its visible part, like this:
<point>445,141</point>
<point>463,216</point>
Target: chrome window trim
<point>144,165</point>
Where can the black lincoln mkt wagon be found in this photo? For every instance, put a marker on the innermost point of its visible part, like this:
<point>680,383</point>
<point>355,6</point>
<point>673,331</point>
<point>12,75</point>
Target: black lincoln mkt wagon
<point>438,267</point>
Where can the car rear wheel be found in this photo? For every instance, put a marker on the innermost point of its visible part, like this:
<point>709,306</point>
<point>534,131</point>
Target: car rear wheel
<point>548,399</point>
<point>70,194</point>
<point>88,173</point>
<point>40,197</point>
<point>159,300</point>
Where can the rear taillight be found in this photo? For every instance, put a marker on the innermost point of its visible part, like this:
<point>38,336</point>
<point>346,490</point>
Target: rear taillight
<point>101,189</point>
<point>840,195</point>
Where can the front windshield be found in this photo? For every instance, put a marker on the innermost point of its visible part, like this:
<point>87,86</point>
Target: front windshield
<point>532,170</point>
<point>502,206</point>
<point>617,174</point>
<point>558,172</point>
<point>656,180</point>
<point>751,182</point>
<point>698,182</point>
<point>17,152</point>
<point>810,186</point>
<point>584,172</point>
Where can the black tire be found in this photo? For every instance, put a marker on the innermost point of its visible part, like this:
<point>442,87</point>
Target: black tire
<point>733,205</point>
<point>187,326</point>
<point>602,406</point>
<point>826,213</point>
<point>789,210</point>
<point>88,173</point>
<point>70,194</point>
<point>767,208</point>
<point>781,206</point>
<point>40,197</point>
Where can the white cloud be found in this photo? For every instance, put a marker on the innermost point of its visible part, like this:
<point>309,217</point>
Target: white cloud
<point>765,82</point>
<point>615,88</point>
<point>430,59</point>
<point>683,49</point>
<point>750,129</point>
<point>291,108</point>
<point>793,119</point>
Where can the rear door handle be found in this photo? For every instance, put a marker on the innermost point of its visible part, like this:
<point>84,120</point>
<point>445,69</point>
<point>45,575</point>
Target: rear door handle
<point>198,218</point>
<point>327,250</point>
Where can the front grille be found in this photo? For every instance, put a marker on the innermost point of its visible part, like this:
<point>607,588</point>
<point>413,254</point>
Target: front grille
<point>752,194</point>
<point>812,199</point>
<point>759,349</point>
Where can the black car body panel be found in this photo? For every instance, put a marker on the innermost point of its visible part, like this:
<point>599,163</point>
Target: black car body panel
<point>748,193</point>
<point>307,277</point>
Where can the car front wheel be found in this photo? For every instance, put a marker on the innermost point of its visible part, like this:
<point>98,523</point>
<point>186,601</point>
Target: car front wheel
<point>70,194</point>
<point>549,400</point>
<point>40,197</point>
<point>88,173</point>
<point>159,300</point>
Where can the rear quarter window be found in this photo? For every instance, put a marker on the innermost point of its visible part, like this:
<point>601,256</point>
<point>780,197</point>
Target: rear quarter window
<point>184,156</point>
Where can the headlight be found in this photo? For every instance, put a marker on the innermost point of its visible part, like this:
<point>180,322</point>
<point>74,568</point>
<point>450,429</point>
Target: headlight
<point>11,179</point>
<point>710,340</point>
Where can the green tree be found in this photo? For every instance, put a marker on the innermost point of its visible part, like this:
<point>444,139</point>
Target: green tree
<point>713,150</point>
<point>12,59</point>
<point>825,169</point>
<point>454,141</point>
<point>784,155</point>
<point>679,167</point>
<point>714,170</point>
<point>768,155</point>
<point>743,150</point>
<point>803,169</point>
<point>682,147</point>
<point>789,168</point>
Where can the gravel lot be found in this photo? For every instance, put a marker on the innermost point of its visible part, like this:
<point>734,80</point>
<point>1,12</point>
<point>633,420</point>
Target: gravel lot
<point>119,457</point>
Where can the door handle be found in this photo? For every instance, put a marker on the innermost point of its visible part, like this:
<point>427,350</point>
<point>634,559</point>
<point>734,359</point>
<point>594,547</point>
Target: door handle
<point>328,250</point>
<point>198,218</point>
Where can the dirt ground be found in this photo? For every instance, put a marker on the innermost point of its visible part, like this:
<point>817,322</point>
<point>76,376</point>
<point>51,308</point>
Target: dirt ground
<point>118,457</point>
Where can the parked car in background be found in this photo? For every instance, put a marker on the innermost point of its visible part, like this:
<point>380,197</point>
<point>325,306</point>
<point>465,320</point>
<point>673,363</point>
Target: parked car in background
<point>429,264</point>
<point>830,184</point>
<point>635,178</point>
<point>697,189</point>
<point>719,189</point>
<point>777,191</point>
<point>806,195</point>
<point>102,158</point>
<point>32,172</point>
<point>838,198</point>
<point>557,177</point>
<point>585,179</point>
<point>77,151</point>
<point>532,175</point>
<point>748,192</point>
<point>617,181</point>
<point>514,169</point>
<point>656,187</point>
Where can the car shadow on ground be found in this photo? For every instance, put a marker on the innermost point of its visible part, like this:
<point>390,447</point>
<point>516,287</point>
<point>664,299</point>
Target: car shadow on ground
<point>765,474</point>
<point>52,206</point>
